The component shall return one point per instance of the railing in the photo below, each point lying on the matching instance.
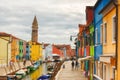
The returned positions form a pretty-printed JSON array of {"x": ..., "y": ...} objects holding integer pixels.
[
  {"x": 95, "y": 77},
  {"x": 56, "y": 69}
]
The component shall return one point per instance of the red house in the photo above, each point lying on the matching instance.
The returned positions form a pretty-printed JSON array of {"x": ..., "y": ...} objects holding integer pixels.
[
  {"x": 89, "y": 19},
  {"x": 69, "y": 51},
  {"x": 55, "y": 50}
]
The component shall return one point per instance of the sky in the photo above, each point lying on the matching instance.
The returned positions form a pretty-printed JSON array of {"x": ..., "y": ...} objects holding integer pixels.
[{"x": 57, "y": 19}]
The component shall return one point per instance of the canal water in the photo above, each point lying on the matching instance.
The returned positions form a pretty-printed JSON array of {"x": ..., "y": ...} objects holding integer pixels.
[{"x": 40, "y": 71}]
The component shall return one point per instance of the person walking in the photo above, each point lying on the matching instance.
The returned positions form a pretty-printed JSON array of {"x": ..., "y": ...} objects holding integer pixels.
[
  {"x": 72, "y": 64},
  {"x": 76, "y": 64},
  {"x": 63, "y": 66}
]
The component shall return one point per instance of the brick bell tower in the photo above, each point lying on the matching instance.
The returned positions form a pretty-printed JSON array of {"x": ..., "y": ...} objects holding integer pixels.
[{"x": 35, "y": 30}]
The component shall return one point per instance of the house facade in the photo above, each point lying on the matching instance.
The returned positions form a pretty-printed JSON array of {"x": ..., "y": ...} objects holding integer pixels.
[
  {"x": 35, "y": 52},
  {"x": 14, "y": 48},
  {"x": 98, "y": 51},
  {"x": 108, "y": 31},
  {"x": 5, "y": 48}
]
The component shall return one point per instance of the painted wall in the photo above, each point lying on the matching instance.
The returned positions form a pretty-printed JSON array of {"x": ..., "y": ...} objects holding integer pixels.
[
  {"x": 81, "y": 38},
  {"x": 34, "y": 51},
  {"x": 20, "y": 49},
  {"x": 14, "y": 48},
  {"x": 97, "y": 24},
  {"x": 41, "y": 51},
  {"x": 89, "y": 14},
  {"x": 109, "y": 47},
  {"x": 57, "y": 51},
  {"x": 3, "y": 51},
  {"x": 91, "y": 40},
  {"x": 24, "y": 48},
  {"x": 27, "y": 56},
  {"x": 87, "y": 50}
]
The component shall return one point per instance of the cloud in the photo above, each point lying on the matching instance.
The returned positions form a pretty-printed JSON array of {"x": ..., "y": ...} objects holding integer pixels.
[{"x": 57, "y": 19}]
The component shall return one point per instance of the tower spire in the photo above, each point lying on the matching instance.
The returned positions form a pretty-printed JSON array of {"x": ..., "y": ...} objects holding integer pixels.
[
  {"x": 34, "y": 30},
  {"x": 35, "y": 21}
]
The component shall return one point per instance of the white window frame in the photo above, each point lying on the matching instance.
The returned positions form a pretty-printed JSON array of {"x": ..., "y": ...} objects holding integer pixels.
[
  {"x": 113, "y": 29},
  {"x": 105, "y": 33},
  {"x": 101, "y": 33},
  {"x": 96, "y": 36}
]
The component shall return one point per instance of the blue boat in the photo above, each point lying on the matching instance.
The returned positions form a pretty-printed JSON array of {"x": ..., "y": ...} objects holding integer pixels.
[{"x": 44, "y": 77}]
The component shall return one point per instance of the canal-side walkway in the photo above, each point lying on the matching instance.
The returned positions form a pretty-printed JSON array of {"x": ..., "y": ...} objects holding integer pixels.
[{"x": 68, "y": 74}]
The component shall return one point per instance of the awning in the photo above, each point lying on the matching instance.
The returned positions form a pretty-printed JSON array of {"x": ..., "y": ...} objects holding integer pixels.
[
  {"x": 55, "y": 54},
  {"x": 107, "y": 57},
  {"x": 86, "y": 58}
]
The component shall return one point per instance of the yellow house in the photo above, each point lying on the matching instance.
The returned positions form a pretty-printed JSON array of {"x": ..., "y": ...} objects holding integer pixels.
[
  {"x": 5, "y": 48},
  {"x": 108, "y": 29},
  {"x": 35, "y": 51}
]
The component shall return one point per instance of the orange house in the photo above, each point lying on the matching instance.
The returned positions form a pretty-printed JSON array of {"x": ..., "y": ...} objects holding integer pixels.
[
  {"x": 66, "y": 49},
  {"x": 55, "y": 50},
  {"x": 80, "y": 37},
  {"x": 14, "y": 48}
]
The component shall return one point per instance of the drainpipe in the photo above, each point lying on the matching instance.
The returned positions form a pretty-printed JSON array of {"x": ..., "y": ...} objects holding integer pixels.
[
  {"x": 115, "y": 2},
  {"x": 116, "y": 6}
]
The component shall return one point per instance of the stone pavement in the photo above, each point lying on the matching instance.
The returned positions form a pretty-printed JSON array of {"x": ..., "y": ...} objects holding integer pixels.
[{"x": 69, "y": 74}]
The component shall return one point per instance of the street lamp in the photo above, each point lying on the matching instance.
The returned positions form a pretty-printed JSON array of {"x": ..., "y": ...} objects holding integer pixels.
[{"x": 76, "y": 43}]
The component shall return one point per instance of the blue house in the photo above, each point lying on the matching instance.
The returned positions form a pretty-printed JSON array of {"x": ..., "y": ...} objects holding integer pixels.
[
  {"x": 27, "y": 56},
  {"x": 98, "y": 36}
]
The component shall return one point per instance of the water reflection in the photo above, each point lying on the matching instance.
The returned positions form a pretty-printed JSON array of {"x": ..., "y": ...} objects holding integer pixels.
[{"x": 40, "y": 71}]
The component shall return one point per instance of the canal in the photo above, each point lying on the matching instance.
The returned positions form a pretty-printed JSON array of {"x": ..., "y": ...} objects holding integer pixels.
[{"x": 42, "y": 69}]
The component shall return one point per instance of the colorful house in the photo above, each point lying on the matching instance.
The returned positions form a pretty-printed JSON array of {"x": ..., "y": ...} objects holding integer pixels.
[
  {"x": 14, "y": 48},
  {"x": 5, "y": 48},
  {"x": 80, "y": 37},
  {"x": 98, "y": 37},
  {"x": 66, "y": 50},
  {"x": 27, "y": 55},
  {"x": 24, "y": 48},
  {"x": 108, "y": 40},
  {"x": 56, "y": 50},
  {"x": 20, "y": 49},
  {"x": 89, "y": 31},
  {"x": 35, "y": 51},
  {"x": 86, "y": 42}
]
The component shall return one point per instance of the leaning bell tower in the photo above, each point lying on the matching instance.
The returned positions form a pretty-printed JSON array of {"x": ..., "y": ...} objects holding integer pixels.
[{"x": 34, "y": 30}]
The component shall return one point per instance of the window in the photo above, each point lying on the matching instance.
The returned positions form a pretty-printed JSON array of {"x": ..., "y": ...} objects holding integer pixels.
[
  {"x": 96, "y": 36},
  {"x": 88, "y": 39},
  {"x": 101, "y": 34},
  {"x": 27, "y": 46},
  {"x": 91, "y": 39},
  {"x": 114, "y": 30},
  {"x": 26, "y": 51},
  {"x": 20, "y": 51},
  {"x": 105, "y": 33}
]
